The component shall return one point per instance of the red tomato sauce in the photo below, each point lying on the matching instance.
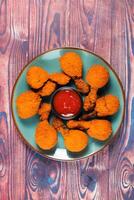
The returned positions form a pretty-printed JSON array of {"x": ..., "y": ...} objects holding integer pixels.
[{"x": 67, "y": 103}]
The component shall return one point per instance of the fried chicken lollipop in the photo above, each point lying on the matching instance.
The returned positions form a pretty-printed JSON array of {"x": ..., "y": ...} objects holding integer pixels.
[
  {"x": 44, "y": 111},
  {"x": 45, "y": 135},
  {"x": 47, "y": 89},
  {"x": 74, "y": 140},
  {"x": 28, "y": 104},
  {"x": 36, "y": 77},
  {"x": 97, "y": 77},
  {"x": 105, "y": 106},
  {"x": 100, "y": 129},
  {"x": 97, "y": 129},
  {"x": 71, "y": 64},
  {"x": 60, "y": 78}
]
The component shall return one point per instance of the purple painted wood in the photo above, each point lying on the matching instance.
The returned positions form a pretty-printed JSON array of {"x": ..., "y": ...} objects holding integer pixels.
[{"x": 28, "y": 28}]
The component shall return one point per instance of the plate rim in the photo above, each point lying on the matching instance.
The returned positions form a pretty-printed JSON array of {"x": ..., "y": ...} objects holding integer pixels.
[{"x": 73, "y": 159}]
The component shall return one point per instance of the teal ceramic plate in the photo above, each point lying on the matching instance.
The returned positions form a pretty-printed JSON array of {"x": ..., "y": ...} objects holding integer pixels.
[{"x": 50, "y": 61}]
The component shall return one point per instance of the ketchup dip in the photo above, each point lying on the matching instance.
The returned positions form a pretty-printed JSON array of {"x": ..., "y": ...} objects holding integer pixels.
[{"x": 66, "y": 103}]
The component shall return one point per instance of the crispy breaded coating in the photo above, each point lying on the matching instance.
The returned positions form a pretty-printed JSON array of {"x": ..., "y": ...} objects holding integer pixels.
[
  {"x": 97, "y": 76},
  {"x": 28, "y": 104},
  {"x": 71, "y": 64},
  {"x": 60, "y": 78},
  {"x": 107, "y": 105},
  {"x": 45, "y": 136},
  {"x": 48, "y": 89},
  {"x": 44, "y": 111},
  {"x": 97, "y": 129},
  {"x": 100, "y": 129},
  {"x": 74, "y": 140},
  {"x": 36, "y": 77},
  {"x": 78, "y": 124},
  {"x": 90, "y": 99},
  {"x": 57, "y": 123},
  {"x": 81, "y": 85},
  {"x": 60, "y": 126}
]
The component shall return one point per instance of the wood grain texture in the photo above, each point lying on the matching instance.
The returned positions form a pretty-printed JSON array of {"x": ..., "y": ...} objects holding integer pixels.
[{"x": 28, "y": 28}]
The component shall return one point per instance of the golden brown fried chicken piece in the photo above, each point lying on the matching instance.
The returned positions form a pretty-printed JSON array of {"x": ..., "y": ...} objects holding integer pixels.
[
  {"x": 97, "y": 129},
  {"x": 78, "y": 124},
  {"x": 60, "y": 78},
  {"x": 48, "y": 89},
  {"x": 28, "y": 104},
  {"x": 45, "y": 136},
  {"x": 97, "y": 77},
  {"x": 36, "y": 77},
  {"x": 74, "y": 140},
  {"x": 81, "y": 85},
  {"x": 71, "y": 64},
  {"x": 100, "y": 129},
  {"x": 105, "y": 106},
  {"x": 44, "y": 111}
]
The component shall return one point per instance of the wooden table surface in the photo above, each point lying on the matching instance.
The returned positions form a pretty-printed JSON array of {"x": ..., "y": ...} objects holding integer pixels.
[{"x": 28, "y": 28}]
